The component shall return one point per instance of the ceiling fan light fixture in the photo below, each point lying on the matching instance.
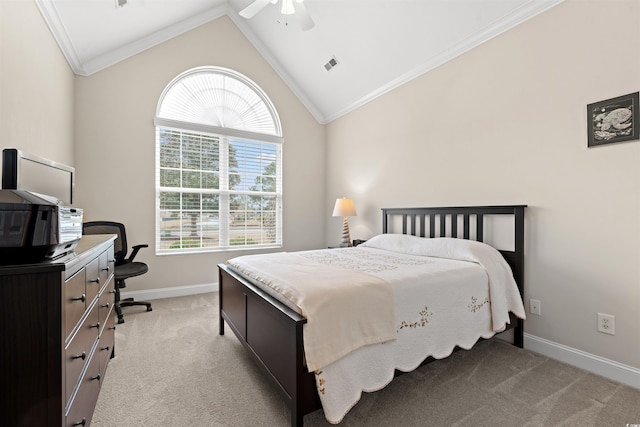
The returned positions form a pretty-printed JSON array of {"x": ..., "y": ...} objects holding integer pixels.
[{"x": 287, "y": 7}]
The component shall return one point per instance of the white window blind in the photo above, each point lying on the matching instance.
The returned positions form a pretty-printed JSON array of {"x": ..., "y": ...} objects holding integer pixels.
[{"x": 217, "y": 188}]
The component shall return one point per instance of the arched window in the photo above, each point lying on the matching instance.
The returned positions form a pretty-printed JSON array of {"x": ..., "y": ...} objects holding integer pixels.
[{"x": 218, "y": 164}]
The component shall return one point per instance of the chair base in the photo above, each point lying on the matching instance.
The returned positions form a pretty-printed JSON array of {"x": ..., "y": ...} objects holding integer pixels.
[{"x": 126, "y": 302}]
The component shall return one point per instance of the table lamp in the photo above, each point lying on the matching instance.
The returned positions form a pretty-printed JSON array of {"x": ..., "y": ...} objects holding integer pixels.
[{"x": 345, "y": 208}]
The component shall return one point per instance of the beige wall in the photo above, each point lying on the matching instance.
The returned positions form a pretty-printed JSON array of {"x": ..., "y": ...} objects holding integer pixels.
[
  {"x": 36, "y": 85},
  {"x": 115, "y": 147},
  {"x": 506, "y": 124}
]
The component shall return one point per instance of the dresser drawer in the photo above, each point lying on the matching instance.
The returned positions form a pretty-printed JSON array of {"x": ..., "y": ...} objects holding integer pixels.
[
  {"x": 75, "y": 298},
  {"x": 106, "y": 301},
  {"x": 93, "y": 281},
  {"x": 106, "y": 343},
  {"x": 78, "y": 350},
  {"x": 84, "y": 401},
  {"x": 106, "y": 264}
]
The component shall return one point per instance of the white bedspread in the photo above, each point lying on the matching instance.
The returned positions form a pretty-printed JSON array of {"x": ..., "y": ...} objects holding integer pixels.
[
  {"x": 440, "y": 304},
  {"x": 345, "y": 309},
  {"x": 446, "y": 293}
]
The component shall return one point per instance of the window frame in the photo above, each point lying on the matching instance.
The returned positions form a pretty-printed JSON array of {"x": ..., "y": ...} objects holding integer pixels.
[{"x": 225, "y": 136}]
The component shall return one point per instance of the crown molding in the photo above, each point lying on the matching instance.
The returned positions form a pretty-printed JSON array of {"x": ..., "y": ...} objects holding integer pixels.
[
  {"x": 100, "y": 62},
  {"x": 511, "y": 20},
  {"x": 110, "y": 58},
  {"x": 52, "y": 19}
]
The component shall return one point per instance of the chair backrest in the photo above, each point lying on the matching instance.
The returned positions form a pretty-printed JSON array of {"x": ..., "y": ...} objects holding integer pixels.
[{"x": 109, "y": 227}]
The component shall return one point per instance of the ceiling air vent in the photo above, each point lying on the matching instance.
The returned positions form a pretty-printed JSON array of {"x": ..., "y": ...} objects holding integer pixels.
[{"x": 332, "y": 63}]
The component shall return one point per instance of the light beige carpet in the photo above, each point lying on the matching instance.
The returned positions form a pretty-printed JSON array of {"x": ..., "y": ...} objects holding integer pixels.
[{"x": 173, "y": 369}]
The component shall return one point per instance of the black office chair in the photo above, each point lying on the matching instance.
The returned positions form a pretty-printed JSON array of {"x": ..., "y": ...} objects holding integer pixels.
[{"x": 124, "y": 267}]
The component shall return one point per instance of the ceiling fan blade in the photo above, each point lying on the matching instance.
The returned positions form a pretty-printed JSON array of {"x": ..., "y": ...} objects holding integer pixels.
[
  {"x": 302, "y": 15},
  {"x": 255, "y": 7}
]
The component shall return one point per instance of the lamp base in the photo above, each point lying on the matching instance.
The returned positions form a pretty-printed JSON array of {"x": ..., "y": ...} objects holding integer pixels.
[{"x": 346, "y": 238}]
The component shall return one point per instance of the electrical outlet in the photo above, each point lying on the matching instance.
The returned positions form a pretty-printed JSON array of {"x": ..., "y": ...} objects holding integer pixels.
[
  {"x": 606, "y": 323},
  {"x": 535, "y": 307}
]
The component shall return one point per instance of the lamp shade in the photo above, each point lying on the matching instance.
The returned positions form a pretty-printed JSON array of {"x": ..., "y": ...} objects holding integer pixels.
[{"x": 344, "y": 207}]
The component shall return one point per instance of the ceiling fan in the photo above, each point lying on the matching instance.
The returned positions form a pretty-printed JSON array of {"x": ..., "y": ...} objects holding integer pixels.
[{"x": 289, "y": 7}]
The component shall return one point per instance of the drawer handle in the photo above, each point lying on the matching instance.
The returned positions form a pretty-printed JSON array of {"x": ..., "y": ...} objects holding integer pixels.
[
  {"x": 105, "y": 305},
  {"x": 80, "y": 356},
  {"x": 97, "y": 377},
  {"x": 97, "y": 280},
  {"x": 105, "y": 348},
  {"x": 112, "y": 291},
  {"x": 83, "y": 298},
  {"x": 97, "y": 325},
  {"x": 80, "y": 423},
  {"x": 105, "y": 269},
  {"x": 113, "y": 328}
]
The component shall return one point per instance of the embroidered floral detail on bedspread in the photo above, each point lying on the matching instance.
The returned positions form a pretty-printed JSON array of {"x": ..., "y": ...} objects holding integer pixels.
[
  {"x": 320, "y": 382},
  {"x": 474, "y": 306},
  {"x": 425, "y": 315}
]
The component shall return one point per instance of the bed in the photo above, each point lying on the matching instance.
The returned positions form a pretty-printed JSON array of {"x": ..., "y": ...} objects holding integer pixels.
[{"x": 272, "y": 330}]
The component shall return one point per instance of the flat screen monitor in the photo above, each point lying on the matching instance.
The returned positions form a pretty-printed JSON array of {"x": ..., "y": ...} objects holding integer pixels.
[{"x": 24, "y": 171}]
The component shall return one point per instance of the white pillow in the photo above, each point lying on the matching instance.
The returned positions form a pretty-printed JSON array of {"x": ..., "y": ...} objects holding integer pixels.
[{"x": 442, "y": 247}]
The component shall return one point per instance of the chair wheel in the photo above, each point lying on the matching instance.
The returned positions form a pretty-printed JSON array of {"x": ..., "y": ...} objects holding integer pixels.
[{"x": 149, "y": 309}]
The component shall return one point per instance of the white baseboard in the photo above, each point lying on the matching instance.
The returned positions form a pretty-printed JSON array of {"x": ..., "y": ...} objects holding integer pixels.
[
  {"x": 589, "y": 362},
  {"x": 177, "y": 291}
]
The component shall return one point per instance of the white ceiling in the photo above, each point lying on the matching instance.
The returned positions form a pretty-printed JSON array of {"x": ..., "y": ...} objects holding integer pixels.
[{"x": 379, "y": 44}]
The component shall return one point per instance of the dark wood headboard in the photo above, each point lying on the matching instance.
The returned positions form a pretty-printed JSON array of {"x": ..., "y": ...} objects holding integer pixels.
[{"x": 445, "y": 222}]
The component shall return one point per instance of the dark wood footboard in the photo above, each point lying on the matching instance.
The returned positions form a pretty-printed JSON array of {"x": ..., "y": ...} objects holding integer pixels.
[{"x": 272, "y": 333}]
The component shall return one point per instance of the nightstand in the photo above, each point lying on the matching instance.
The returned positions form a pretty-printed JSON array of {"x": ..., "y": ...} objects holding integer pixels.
[{"x": 355, "y": 243}]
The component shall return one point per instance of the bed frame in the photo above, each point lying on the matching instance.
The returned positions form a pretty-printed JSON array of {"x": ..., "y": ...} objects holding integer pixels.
[{"x": 272, "y": 332}]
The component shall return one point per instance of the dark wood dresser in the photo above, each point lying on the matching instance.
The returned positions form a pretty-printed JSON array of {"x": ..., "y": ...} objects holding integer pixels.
[{"x": 56, "y": 335}]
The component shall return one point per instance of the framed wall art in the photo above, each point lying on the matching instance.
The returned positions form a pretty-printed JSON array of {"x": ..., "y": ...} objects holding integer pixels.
[{"x": 613, "y": 120}]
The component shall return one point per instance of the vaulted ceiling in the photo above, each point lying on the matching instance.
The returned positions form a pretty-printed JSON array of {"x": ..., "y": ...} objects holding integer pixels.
[{"x": 376, "y": 44}]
